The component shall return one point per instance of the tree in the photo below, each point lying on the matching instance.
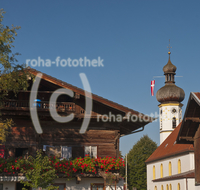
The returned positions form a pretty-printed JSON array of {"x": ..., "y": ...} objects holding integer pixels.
[
  {"x": 136, "y": 162},
  {"x": 12, "y": 75},
  {"x": 40, "y": 173}
]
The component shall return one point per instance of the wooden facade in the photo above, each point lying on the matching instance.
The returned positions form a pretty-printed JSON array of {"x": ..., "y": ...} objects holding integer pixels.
[{"x": 104, "y": 136}]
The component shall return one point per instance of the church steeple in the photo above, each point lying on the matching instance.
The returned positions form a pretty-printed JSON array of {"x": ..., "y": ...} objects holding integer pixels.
[
  {"x": 169, "y": 71},
  {"x": 170, "y": 97},
  {"x": 170, "y": 92}
]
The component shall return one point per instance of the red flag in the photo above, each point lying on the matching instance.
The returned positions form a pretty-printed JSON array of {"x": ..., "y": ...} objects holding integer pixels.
[{"x": 152, "y": 87}]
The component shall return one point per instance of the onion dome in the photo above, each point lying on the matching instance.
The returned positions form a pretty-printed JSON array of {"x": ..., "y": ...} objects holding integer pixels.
[
  {"x": 169, "y": 67},
  {"x": 170, "y": 92}
]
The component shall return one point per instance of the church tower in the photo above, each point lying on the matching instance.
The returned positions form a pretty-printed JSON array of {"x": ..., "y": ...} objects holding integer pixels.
[{"x": 170, "y": 97}]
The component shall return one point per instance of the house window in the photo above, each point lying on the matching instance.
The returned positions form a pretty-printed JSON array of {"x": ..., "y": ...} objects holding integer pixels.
[
  {"x": 20, "y": 186},
  {"x": 162, "y": 187},
  {"x": 66, "y": 152},
  {"x": 155, "y": 188},
  {"x": 179, "y": 166},
  {"x": 167, "y": 187},
  {"x": 173, "y": 122},
  {"x": 170, "y": 168},
  {"x": 91, "y": 150},
  {"x": 97, "y": 186},
  {"x": 77, "y": 151},
  {"x": 161, "y": 170},
  {"x": 170, "y": 187},
  {"x": 21, "y": 152},
  {"x": 52, "y": 150},
  {"x": 62, "y": 186},
  {"x": 154, "y": 172}
]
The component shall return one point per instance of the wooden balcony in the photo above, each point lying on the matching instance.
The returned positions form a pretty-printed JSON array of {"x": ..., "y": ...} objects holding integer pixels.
[{"x": 41, "y": 105}]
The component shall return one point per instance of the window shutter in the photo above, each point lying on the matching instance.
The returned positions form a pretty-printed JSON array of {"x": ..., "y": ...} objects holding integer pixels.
[
  {"x": 87, "y": 150},
  {"x": 94, "y": 151}
]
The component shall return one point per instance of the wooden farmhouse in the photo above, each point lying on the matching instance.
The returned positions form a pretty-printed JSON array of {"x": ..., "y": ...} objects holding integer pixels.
[{"x": 108, "y": 122}]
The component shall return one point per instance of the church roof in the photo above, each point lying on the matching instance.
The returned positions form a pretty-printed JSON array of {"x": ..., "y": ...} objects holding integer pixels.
[
  {"x": 169, "y": 147},
  {"x": 170, "y": 92}
]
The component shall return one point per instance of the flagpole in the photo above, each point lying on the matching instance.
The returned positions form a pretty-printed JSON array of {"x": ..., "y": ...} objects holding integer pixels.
[{"x": 126, "y": 172}]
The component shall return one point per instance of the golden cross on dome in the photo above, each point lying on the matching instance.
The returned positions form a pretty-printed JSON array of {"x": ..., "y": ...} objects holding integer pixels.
[{"x": 169, "y": 47}]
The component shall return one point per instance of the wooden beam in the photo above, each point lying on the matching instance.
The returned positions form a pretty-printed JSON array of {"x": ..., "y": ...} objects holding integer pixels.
[
  {"x": 193, "y": 119},
  {"x": 187, "y": 138}
]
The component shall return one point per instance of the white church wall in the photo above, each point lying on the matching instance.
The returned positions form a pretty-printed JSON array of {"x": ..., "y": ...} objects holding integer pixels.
[
  {"x": 197, "y": 187},
  {"x": 192, "y": 163},
  {"x": 173, "y": 183},
  {"x": 191, "y": 184},
  {"x": 187, "y": 158}
]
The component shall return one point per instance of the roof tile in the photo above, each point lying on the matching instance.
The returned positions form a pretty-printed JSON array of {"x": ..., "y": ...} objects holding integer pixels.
[
  {"x": 171, "y": 149},
  {"x": 197, "y": 94}
]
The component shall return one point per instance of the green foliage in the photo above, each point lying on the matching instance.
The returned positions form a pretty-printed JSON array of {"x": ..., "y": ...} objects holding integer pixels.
[
  {"x": 12, "y": 75},
  {"x": 136, "y": 162},
  {"x": 5, "y": 129},
  {"x": 40, "y": 172}
]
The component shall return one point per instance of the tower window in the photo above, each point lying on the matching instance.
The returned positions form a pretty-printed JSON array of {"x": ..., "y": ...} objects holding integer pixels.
[
  {"x": 169, "y": 77},
  {"x": 161, "y": 125},
  {"x": 174, "y": 122}
]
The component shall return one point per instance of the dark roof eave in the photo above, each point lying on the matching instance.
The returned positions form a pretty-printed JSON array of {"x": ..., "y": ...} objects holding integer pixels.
[
  {"x": 189, "y": 174},
  {"x": 81, "y": 91}
]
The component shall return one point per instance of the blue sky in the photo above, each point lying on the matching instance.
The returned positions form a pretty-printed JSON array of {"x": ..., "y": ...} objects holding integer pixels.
[{"x": 130, "y": 36}]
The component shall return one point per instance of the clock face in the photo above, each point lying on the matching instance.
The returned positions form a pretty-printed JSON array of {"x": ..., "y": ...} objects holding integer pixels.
[{"x": 174, "y": 110}]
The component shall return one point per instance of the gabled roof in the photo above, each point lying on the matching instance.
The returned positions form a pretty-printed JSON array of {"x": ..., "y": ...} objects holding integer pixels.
[
  {"x": 169, "y": 147},
  {"x": 188, "y": 174},
  {"x": 81, "y": 91},
  {"x": 191, "y": 120},
  {"x": 126, "y": 127}
]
